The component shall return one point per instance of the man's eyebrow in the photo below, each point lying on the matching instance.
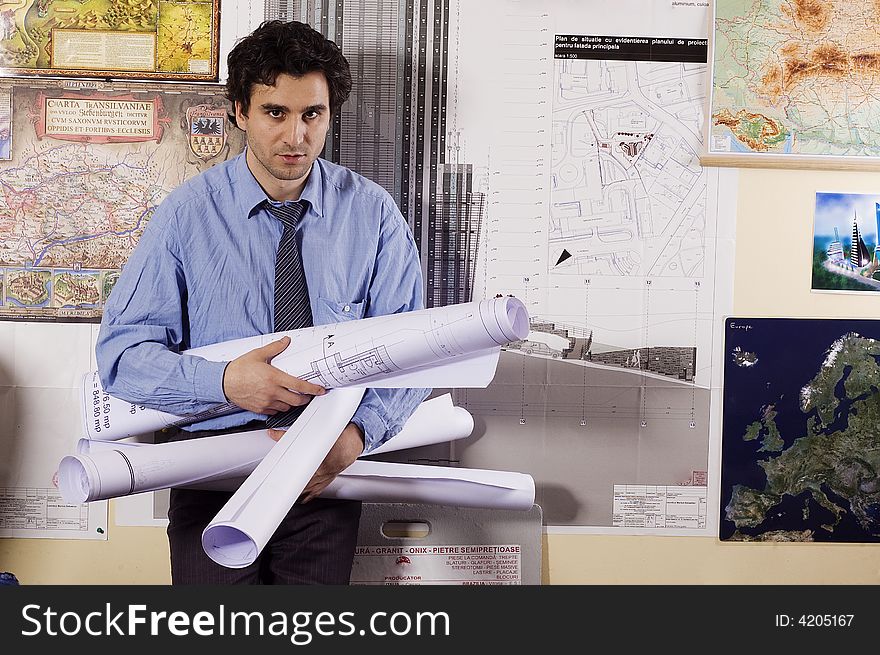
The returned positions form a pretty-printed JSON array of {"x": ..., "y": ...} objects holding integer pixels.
[{"x": 271, "y": 106}]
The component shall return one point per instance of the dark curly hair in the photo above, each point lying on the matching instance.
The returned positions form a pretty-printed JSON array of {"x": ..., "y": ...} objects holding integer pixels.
[{"x": 277, "y": 47}]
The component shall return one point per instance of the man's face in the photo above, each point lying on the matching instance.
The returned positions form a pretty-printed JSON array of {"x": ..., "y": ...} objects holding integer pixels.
[{"x": 286, "y": 127}]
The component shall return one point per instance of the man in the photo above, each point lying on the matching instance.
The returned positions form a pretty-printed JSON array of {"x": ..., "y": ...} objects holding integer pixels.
[{"x": 205, "y": 271}]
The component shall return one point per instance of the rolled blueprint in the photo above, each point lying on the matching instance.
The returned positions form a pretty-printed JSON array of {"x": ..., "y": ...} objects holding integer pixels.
[
  {"x": 447, "y": 347},
  {"x": 108, "y": 469},
  {"x": 113, "y": 470},
  {"x": 390, "y": 482},
  {"x": 91, "y": 446},
  {"x": 435, "y": 420},
  {"x": 242, "y": 528}
]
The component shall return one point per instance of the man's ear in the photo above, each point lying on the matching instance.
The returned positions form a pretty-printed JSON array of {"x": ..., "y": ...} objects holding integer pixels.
[{"x": 240, "y": 117}]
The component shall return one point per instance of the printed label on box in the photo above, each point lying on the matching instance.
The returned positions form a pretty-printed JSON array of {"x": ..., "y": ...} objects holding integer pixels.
[{"x": 435, "y": 564}]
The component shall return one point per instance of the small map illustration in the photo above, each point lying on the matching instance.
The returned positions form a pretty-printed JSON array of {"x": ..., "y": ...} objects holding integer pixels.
[
  {"x": 127, "y": 38},
  {"x": 184, "y": 31}
]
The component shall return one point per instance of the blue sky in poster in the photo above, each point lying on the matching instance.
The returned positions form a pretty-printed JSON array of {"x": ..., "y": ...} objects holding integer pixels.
[{"x": 836, "y": 210}]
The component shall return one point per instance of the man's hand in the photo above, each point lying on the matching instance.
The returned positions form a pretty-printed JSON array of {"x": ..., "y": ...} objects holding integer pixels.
[
  {"x": 252, "y": 383},
  {"x": 348, "y": 447}
]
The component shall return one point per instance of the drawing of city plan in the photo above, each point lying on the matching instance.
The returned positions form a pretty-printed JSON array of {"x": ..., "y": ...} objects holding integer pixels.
[
  {"x": 572, "y": 183},
  {"x": 88, "y": 169},
  {"x": 585, "y": 137},
  {"x": 627, "y": 191}
]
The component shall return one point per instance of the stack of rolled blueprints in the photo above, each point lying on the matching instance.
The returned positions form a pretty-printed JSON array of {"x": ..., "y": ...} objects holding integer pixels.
[{"x": 454, "y": 346}]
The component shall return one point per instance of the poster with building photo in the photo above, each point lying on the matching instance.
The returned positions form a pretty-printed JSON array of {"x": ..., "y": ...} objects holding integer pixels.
[{"x": 846, "y": 237}]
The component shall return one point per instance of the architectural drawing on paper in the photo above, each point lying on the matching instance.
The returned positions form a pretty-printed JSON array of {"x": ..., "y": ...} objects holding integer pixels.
[
  {"x": 460, "y": 345},
  {"x": 572, "y": 182},
  {"x": 598, "y": 219},
  {"x": 360, "y": 365},
  {"x": 568, "y": 342},
  {"x": 628, "y": 194}
]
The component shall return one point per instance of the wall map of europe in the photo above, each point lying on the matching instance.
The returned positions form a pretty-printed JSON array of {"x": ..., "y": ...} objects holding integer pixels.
[{"x": 801, "y": 446}]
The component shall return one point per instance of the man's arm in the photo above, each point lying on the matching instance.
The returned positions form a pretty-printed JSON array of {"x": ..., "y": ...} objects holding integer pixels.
[
  {"x": 348, "y": 447},
  {"x": 143, "y": 330},
  {"x": 396, "y": 287}
]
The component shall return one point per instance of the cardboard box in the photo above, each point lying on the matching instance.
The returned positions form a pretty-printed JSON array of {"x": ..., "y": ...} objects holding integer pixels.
[{"x": 431, "y": 544}]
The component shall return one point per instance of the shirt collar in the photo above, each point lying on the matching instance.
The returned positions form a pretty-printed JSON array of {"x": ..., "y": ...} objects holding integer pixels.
[
  {"x": 251, "y": 194},
  {"x": 313, "y": 191}
]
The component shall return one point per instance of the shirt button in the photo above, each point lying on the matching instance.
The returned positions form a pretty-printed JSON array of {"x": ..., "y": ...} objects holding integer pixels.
[{"x": 347, "y": 308}]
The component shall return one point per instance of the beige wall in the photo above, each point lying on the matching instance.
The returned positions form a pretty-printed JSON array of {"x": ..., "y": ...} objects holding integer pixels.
[
  {"x": 772, "y": 278},
  {"x": 129, "y": 556}
]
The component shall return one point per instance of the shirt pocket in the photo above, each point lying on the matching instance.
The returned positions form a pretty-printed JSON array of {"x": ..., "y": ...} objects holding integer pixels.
[{"x": 337, "y": 311}]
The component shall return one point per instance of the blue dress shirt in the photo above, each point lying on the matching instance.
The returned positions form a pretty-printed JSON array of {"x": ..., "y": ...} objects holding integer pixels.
[{"x": 204, "y": 272}]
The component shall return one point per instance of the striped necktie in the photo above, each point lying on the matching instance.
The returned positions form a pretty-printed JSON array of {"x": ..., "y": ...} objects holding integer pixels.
[{"x": 292, "y": 308}]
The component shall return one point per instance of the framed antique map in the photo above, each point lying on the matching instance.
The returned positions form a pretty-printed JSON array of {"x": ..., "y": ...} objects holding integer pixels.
[
  {"x": 86, "y": 170},
  {"x": 139, "y": 39},
  {"x": 794, "y": 83}
]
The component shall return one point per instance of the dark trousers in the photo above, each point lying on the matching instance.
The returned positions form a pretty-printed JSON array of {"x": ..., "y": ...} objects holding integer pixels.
[{"x": 314, "y": 544}]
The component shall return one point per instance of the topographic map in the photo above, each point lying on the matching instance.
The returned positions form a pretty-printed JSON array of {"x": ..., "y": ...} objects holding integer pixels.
[
  {"x": 127, "y": 38},
  {"x": 801, "y": 451},
  {"x": 628, "y": 196},
  {"x": 87, "y": 172},
  {"x": 796, "y": 77}
]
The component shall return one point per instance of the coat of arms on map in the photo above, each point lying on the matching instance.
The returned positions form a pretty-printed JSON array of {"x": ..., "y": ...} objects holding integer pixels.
[{"x": 207, "y": 130}]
